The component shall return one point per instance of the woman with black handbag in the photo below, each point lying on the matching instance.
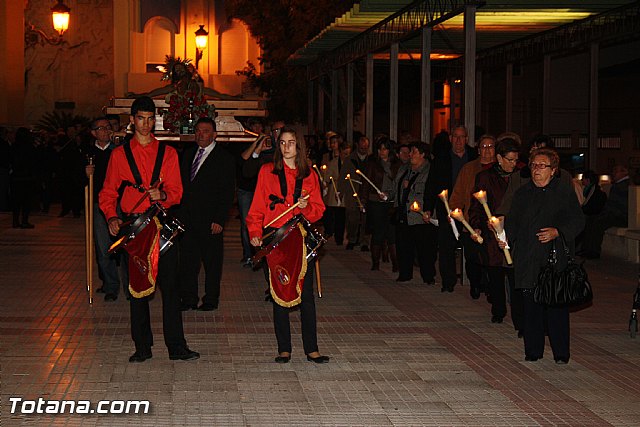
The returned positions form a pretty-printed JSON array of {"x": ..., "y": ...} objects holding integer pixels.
[{"x": 541, "y": 210}]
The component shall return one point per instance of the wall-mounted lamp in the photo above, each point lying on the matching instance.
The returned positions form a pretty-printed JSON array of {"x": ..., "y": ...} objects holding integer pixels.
[
  {"x": 60, "y": 17},
  {"x": 202, "y": 36}
]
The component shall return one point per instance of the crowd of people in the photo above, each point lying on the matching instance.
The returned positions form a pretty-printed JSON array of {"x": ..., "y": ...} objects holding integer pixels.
[{"x": 409, "y": 203}]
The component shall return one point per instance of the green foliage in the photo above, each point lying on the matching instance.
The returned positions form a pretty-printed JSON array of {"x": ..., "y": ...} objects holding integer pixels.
[
  {"x": 282, "y": 27},
  {"x": 55, "y": 120}
]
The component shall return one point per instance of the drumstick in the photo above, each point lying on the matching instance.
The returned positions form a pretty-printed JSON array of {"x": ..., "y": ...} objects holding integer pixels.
[
  {"x": 295, "y": 205},
  {"x": 318, "y": 281},
  {"x": 145, "y": 195}
]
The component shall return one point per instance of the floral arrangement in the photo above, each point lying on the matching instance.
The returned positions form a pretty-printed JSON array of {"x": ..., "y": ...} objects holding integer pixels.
[{"x": 187, "y": 95}]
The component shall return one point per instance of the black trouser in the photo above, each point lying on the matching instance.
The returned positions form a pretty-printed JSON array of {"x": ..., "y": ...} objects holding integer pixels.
[
  {"x": 447, "y": 245},
  {"x": 593, "y": 234},
  {"x": 379, "y": 222},
  {"x": 499, "y": 297},
  {"x": 420, "y": 239},
  {"x": 557, "y": 319},
  {"x": 307, "y": 318},
  {"x": 197, "y": 247},
  {"x": 167, "y": 282},
  {"x": 21, "y": 195},
  {"x": 472, "y": 265},
  {"x": 338, "y": 217}
]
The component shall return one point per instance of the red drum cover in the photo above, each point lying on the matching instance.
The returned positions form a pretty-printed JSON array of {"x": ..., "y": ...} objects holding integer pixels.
[
  {"x": 287, "y": 266},
  {"x": 144, "y": 253}
]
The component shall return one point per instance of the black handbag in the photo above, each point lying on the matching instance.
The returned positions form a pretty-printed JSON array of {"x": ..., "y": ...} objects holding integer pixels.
[{"x": 570, "y": 286}]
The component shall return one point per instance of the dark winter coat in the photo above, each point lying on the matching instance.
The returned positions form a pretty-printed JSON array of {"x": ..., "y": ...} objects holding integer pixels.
[{"x": 533, "y": 208}]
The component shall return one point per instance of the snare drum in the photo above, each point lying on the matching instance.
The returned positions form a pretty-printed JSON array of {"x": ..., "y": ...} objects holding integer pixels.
[
  {"x": 171, "y": 228},
  {"x": 313, "y": 241}
]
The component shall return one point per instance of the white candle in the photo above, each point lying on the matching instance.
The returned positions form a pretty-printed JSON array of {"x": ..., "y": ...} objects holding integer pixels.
[
  {"x": 482, "y": 198},
  {"x": 444, "y": 196},
  {"x": 384, "y": 196},
  {"x": 457, "y": 214},
  {"x": 499, "y": 229}
]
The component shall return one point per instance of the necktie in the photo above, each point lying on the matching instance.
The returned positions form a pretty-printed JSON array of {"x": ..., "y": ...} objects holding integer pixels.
[{"x": 196, "y": 163}]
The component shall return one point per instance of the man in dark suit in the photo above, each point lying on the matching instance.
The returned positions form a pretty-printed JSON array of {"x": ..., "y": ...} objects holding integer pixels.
[
  {"x": 444, "y": 173},
  {"x": 208, "y": 178}
]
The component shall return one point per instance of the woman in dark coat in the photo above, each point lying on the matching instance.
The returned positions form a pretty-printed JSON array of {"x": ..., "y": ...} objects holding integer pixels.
[
  {"x": 541, "y": 210},
  {"x": 382, "y": 168},
  {"x": 495, "y": 181}
]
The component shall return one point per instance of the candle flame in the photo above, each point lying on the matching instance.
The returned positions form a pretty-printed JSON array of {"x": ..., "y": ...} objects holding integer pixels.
[
  {"x": 355, "y": 194},
  {"x": 348, "y": 176},
  {"x": 415, "y": 206},
  {"x": 324, "y": 167}
]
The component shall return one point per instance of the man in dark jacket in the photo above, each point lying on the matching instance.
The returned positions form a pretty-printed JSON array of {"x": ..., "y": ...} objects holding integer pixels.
[
  {"x": 446, "y": 167},
  {"x": 614, "y": 214},
  {"x": 208, "y": 174}
]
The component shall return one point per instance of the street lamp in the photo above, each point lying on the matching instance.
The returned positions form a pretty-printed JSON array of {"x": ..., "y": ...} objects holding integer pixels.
[
  {"x": 60, "y": 17},
  {"x": 202, "y": 36}
]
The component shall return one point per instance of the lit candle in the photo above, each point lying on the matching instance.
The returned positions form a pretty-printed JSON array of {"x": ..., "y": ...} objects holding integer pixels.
[
  {"x": 355, "y": 193},
  {"x": 319, "y": 174},
  {"x": 502, "y": 236},
  {"x": 444, "y": 196},
  {"x": 415, "y": 207},
  {"x": 482, "y": 198},
  {"x": 335, "y": 190},
  {"x": 382, "y": 195},
  {"x": 457, "y": 215}
]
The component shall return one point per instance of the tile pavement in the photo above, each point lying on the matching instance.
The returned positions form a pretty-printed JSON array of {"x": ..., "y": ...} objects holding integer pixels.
[{"x": 401, "y": 354}]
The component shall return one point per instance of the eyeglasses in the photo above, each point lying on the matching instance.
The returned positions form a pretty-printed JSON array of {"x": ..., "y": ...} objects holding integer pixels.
[
  {"x": 542, "y": 166},
  {"x": 486, "y": 146},
  {"x": 515, "y": 159},
  {"x": 102, "y": 128}
]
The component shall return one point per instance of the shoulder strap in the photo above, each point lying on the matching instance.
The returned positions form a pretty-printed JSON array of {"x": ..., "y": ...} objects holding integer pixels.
[
  {"x": 156, "y": 168},
  {"x": 132, "y": 165}
]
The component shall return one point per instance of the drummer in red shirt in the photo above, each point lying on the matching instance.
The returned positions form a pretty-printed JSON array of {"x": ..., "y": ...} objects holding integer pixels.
[
  {"x": 167, "y": 189},
  {"x": 290, "y": 161}
]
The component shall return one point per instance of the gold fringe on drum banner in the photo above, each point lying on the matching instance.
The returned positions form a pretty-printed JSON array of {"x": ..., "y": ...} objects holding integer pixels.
[
  {"x": 144, "y": 254},
  {"x": 287, "y": 267}
]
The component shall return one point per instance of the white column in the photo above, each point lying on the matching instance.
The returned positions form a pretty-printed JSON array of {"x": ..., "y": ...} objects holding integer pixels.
[
  {"x": 593, "y": 107},
  {"x": 425, "y": 86},
  {"x": 546, "y": 94},
  {"x": 470, "y": 69},
  {"x": 393, "y": 91},
  {"x": 508, "y": 122},
  {"x": 369, "y": 97},
  {"x": 350, "y": 99}
]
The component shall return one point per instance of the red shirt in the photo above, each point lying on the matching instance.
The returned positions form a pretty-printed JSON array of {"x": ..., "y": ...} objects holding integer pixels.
[
  {"x": 145, "y": 158},
  {"x": 268, "y": 183}
]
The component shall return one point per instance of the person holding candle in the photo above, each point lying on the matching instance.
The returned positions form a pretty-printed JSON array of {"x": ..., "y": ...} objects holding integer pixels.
[
  {"x": 332, "y": 151},
  {"x": 494, "y": 182},
  {"x": 281, "y": 184},
  {"x": 446, "y": 166},
  {"x": 414, "y": 232},
  {"x": 382, "y": 168},
  {"x": 334, "y": 199},
  {"x": 461, "y": 198},
  {"x": 354, "y": 205},
  {"x": 541, "y": 210}
]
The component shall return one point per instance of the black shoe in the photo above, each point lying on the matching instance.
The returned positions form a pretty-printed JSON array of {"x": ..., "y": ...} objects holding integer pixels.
[
  {"x": 446, "y": 289},
  {"x": 429, "y": 282},
  {"x": 364, "y": 248},
  {"x": 520, "y": 334},
  {"x": 282, "y": 359},
  {"x": 110, "y": 297},
  {"x": 100, "y": 290},
  {"x": 248, "y": 263},
  {"x": 475, "y": 293},
  {"x": 319, "y": 359},
  {"x": 184, "y": 353},
  {"x": 16, "y": 225},
  {"x": 496, "y": 319},
  {"x": 26, "y": 225},
  {"x": 561, "y": 360},
  {"x": 140, "y": 356},
  {"x": 207, "y": 307},
  {"x": 350, "y": 246},
  {"x": 187, "y": 307},
  {"x": 532, "y": 358},
  {"x": 404, "y": 279},
  {"x": 375, "y": 267}
]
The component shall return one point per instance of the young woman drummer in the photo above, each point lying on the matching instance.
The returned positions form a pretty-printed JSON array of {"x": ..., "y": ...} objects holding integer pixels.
[{"x": 289, "y": 161}]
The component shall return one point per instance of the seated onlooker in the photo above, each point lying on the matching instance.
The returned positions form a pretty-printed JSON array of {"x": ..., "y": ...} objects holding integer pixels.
[{"x": 614, "y": 214}]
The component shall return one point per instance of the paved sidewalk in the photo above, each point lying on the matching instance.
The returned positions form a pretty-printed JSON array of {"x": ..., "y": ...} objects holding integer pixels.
[{"x": 401, "y": 354}]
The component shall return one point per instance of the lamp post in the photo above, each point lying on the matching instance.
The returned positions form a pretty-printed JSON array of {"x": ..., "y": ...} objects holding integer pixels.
[
  {"x": 60, "y": 18},
  {"x": 202, "y": 36}
]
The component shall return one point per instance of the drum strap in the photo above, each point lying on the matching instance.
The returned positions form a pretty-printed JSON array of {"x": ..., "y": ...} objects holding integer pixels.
[
  {"x": 283, "y": 189},
  {"x": 136, "y": 172}
]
